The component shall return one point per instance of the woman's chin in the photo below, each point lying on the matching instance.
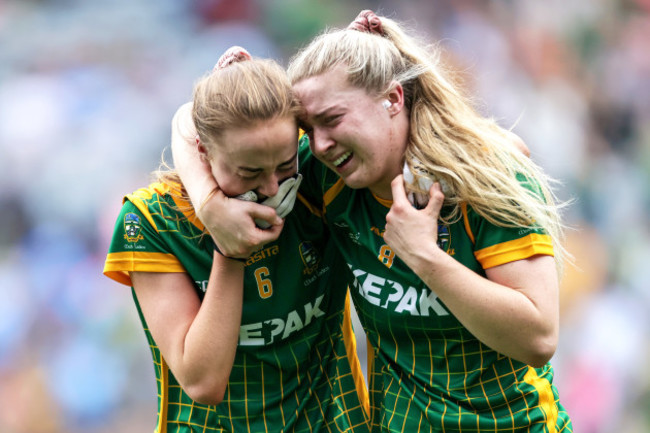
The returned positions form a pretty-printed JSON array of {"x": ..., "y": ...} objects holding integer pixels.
[{"x": 354, "y": 182}]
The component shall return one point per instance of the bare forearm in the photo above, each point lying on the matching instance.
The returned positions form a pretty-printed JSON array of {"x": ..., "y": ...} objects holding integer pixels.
[
  {"x": 514, "y": 310},
  {"x": 229, "y": 221},
  {"x": 211, "y": 341},
  {"x": 504, "y": 318},
  {"x": 194, "y": 173}
]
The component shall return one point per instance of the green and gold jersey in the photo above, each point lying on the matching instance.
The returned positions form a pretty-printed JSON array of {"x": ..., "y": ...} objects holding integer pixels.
[
  {"x": 295, "y": 369},
  {"x": 429, "y": 373}
]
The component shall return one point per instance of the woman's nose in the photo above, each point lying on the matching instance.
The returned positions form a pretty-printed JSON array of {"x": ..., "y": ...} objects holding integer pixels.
[
  {"x": 320, "y": 142},
  {"x": 270, "y": 186}
]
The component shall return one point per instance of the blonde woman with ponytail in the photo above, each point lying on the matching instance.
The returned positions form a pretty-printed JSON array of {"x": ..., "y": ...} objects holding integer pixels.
[
  {"x": 452, "y": 233},
  {"x": 256, "y": 343},
  {"x": 459, "y": 298}
]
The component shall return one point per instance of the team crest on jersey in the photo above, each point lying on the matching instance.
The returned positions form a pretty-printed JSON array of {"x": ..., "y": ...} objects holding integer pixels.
[
  {"x": 132, "y": 228},
  {"x": 444, "y": 237},
  {"x": 309, "y": 256}
]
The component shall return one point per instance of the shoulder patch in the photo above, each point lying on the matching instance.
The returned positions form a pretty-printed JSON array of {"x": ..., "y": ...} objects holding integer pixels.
[
  {"x": 444, "y": 237},
  {"x": 132, "y": 227}
]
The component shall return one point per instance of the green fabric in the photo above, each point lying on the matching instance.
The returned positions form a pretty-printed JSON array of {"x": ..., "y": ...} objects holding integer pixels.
[
  {"x": 430, "y": 373},
  {"x": 291, "y": 370}
]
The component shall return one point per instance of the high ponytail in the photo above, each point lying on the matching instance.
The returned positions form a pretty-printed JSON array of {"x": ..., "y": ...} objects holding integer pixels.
[{"x": 448, "y": 138}]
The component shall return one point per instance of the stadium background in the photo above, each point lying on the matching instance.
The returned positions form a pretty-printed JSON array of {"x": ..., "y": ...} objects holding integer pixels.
[{"x": 87, "y": 91}]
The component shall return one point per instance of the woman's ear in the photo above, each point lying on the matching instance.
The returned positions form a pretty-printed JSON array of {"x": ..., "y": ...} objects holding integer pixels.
[
  {"x": 395, "y": 97},
  {"x": 203, "y": 152}
]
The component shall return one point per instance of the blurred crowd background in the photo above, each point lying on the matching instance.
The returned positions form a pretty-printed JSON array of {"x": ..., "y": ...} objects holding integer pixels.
[{"x": 87, "y": 92}]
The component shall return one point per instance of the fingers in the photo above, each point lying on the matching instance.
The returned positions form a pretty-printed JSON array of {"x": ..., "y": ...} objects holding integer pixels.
[
  {"x": 436, "y": 198},
  {"x": 264, "y": 213},
  {"x": 399, "y": 193},
  {"x": 257, "y": 238},
  {"x": 247, "y": 238},
  {"x": 270, "y": 234},
  {"x": 400, "y": 199}
]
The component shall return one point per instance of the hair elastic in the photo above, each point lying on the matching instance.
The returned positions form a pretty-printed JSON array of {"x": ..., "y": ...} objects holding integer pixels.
[
  {"x": 367, "y": 21},
  {"x": 232, "y": 55}
]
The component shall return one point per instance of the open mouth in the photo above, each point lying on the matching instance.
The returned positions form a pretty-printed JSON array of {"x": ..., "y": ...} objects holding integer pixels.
[{"x": 340, "y": 161}]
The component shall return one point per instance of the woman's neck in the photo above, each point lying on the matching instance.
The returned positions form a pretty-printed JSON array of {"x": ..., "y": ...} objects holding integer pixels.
[{"x": 382, "y": 191}]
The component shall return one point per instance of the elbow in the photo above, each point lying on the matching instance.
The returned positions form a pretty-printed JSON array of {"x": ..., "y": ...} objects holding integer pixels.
[
  {"x": 540, "y": 359},
  {"x": 541, "y": 351},
  {"x": 520, "y": 144},
  {"x": 206, "y": 393}
]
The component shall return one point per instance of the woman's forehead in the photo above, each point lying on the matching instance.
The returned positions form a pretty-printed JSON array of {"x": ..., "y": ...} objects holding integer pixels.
[
  {"x": 320, "y": 92},
  {"x": 262, "y": 144}
]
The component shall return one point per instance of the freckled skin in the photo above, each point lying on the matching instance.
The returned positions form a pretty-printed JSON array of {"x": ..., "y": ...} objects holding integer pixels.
[{"x": 341, "y": 118}]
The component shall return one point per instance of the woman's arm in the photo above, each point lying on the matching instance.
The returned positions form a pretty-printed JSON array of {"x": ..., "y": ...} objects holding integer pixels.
[
  {"x": 519, "y": 143},
  {"x": 197, "y": 339},
  {"x": 231, "y": 222},
  {"x": 515, "y": 310},
  {"x": 194, "y": 171}
]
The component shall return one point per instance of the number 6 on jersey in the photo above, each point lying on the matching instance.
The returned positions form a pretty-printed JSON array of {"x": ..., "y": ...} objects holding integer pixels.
[{"x": 264, "y": 284}]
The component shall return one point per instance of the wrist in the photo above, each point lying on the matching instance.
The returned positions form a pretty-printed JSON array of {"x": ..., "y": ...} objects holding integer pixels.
[
  {"x": 217, "y": 252},
  {"x": 424, "y": 259},
  {"x": 207, "y": 197}
]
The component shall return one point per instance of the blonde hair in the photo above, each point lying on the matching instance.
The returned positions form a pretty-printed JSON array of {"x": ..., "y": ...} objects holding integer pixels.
[
  {"x": 239, "y": 95},
  {"x": 448, "y": 137}
]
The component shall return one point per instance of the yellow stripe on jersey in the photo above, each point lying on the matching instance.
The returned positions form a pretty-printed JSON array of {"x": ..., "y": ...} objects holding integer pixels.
[
  {"x": 351, "y": 349},
  {"x": 546, "y": 398},
  {"x": 313, "y": 209},
  {"x": 331, "y": 193},
  {"x": 143, "y": 195},
  {"x": 118, "y": 265},
  {"x": 148, "y": 192},
  {"x": 139, "y": 197},
  {"x": 516, "y": 249},
  {"x": 188, "y": 211},
  {"x": 468, "y": 228},
  {"x": 370, "y": 358},
  {"x": 164, "y": 397},
  {"x": 383, "y": 201}
]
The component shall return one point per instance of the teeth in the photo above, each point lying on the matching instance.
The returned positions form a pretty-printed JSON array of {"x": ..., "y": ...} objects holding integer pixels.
[{"x": 343, "y": 157}]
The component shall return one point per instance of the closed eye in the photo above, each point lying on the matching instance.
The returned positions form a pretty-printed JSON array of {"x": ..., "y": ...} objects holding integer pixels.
[
  {"x": 330, "y": 120},
  {"x": 250, "y": 175},
  {"x": 287, "y": 166}
]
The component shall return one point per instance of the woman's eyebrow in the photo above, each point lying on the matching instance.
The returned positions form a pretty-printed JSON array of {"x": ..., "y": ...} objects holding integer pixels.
[
  {"x": 317, "y": 117},
  {"x": 258, "y": 169},
  {"x": 251, "y": 169},
  {"x": 290, "y": 160}
]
